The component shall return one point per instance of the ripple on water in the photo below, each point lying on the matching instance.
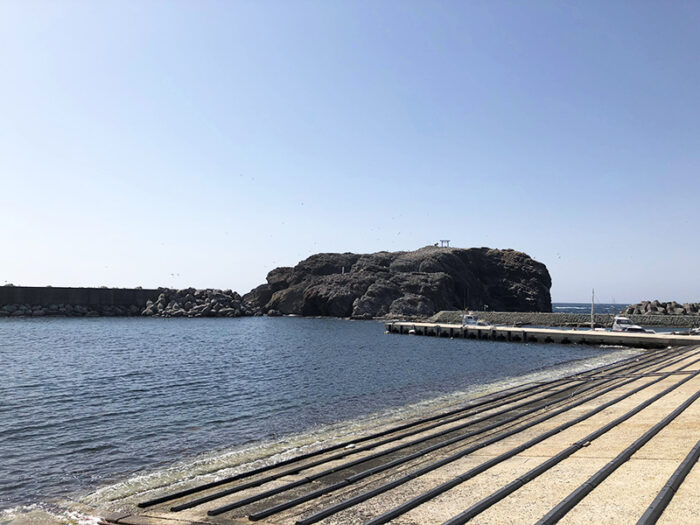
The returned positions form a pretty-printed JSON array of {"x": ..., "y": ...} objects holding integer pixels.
[{"x": 137, "y": 404}]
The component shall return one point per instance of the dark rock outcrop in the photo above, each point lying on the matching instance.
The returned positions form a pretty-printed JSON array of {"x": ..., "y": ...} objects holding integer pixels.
[{"x": 417, "y": 283}]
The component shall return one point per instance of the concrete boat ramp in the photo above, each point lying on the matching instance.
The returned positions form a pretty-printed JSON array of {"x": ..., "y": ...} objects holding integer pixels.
[
  {"x": 543, "y": 335},
  {"x": 617, "y": 444}
]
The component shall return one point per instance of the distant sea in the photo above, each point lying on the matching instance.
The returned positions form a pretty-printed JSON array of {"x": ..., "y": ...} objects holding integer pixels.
[
  {"x": 585, "y": 308},
  {"x": 95, "y": 411}
]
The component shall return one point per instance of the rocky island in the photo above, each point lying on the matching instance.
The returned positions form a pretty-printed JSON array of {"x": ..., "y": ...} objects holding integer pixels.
[{"x": 415, "y": 283}]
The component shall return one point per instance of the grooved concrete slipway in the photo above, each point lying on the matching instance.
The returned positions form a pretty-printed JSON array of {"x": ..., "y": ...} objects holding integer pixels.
[{"x": 617, "y": 444}]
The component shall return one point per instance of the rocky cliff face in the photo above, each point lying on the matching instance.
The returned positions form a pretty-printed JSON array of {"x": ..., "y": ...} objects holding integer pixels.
[{"x": 417, "y": 283}]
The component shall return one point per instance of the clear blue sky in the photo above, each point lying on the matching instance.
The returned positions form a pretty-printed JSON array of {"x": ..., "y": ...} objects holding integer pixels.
[{"x": 205, "y": 143}]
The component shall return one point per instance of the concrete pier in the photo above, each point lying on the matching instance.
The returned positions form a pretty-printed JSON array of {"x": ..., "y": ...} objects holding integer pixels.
[{"x": 542, "y": 335}]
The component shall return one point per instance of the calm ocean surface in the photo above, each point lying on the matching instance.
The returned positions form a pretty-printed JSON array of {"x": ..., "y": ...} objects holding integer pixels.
[{"x": 88, "y": 402}]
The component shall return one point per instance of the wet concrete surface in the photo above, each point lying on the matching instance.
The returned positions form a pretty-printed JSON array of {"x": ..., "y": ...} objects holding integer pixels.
[{"x": 620, "y": 498}]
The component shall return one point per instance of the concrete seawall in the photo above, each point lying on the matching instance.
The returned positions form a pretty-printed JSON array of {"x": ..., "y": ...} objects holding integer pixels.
[
  {"x": 29, "y": 301},
  {"x": 45, "y": 296},
  {"x": 562, "y": 319}
]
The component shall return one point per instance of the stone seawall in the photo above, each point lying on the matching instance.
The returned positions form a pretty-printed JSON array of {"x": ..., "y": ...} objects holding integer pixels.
[{"x": 562, "y": 319}]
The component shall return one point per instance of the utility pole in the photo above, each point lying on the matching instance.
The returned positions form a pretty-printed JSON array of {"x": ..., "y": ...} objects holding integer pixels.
[{"x": 592, "y": 309}]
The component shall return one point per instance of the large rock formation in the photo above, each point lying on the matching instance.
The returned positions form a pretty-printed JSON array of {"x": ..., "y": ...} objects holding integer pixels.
[{"x": 417, "y": 283}]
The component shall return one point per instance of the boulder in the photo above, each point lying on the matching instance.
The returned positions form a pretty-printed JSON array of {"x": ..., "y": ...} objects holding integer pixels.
[
  {"x": 287, "y": 301},
  {"x": 228, "y": 312},
  {"x": 678, "y": 310},
  {"x": 259, "y": 296},
  {"x": 376, "y": 300},
  {"x": 657, "y": 307},
  {"x": 413, "y": 305},
  {"x": 188, "y": 302}
]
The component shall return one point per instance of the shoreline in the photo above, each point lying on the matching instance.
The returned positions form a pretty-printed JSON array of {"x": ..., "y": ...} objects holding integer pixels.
[
  {"x": 641, "y": 381},
  {"x": 122, "y": 494}
]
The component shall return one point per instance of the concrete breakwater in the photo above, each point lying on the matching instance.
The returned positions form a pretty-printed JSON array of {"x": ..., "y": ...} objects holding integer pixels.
[
  {"x": 662, "y": 308},
  {"x": 567, "y": 319},
  {"x": 190, "y": 302},
  {"x": 30, "y": 301},
  {"x": 39, "y": 301}
]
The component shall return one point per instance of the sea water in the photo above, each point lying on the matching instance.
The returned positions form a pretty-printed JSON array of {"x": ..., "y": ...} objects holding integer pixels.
[
  {"x": 585, "y": 308},
  {"x": 97, "y": 412}
]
